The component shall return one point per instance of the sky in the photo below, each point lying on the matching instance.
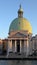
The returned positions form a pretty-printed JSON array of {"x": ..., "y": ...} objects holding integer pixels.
[{"x": 8, "y": 12}]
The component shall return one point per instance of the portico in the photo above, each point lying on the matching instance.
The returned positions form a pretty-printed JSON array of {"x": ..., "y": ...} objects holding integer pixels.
[{"x": 18, "y": 45}]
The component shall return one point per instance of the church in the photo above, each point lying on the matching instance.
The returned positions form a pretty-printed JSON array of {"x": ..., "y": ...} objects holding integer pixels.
[
  {"x": 20, "y": 34},
  {"x": 20, "y": 39}
]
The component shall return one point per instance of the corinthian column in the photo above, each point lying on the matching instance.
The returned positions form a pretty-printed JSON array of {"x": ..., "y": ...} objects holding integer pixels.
[
  {"x": 27, "y": 47},
  {"x": 20, "y": 46},
  {"x": 10, "y": 45},
  {"x": 15, "y": 45},
  {"x": 9, "y": 49}
]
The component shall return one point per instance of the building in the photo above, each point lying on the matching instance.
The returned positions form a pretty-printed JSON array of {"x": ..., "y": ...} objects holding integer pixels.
[
  {"x": 34, "y": 43},
  {"x": 0, "y": 46},
  {"x": 20, "y": 39},
  {"x": 3, "y": 46}
]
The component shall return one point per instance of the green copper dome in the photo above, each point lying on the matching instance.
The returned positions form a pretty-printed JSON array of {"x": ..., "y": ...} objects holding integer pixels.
[{"x": 20, "y": 24}]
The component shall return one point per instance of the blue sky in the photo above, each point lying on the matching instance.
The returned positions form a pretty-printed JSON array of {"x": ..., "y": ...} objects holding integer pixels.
[{"x": 8, "y": 11}]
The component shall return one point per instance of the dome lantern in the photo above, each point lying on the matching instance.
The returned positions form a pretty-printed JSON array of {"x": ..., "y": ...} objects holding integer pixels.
[{"x": 20, "y": 12}]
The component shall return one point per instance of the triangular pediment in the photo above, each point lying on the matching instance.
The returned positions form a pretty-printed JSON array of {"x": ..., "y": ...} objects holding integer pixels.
[{"x": 18, "y": 34}]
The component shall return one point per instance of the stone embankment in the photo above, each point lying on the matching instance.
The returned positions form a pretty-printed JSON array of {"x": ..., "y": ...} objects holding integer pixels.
[{"x": 17, "y": 56}]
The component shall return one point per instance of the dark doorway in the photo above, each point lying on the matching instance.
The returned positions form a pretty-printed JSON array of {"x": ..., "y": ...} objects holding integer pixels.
[{"x": 18, "y": 45}]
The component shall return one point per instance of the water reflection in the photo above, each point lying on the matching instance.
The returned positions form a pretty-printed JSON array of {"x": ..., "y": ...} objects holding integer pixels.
[{"x": 17, "y": 62}]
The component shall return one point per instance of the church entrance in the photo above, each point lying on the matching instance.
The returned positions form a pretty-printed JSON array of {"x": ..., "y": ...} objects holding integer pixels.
[{"x": 18, "y": 45}]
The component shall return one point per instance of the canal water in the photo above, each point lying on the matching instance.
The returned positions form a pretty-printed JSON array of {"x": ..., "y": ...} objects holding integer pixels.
[{"x": 18, "y": 62}]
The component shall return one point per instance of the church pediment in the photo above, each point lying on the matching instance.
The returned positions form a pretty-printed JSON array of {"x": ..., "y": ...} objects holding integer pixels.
[{"x": 18, "y": 34}]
